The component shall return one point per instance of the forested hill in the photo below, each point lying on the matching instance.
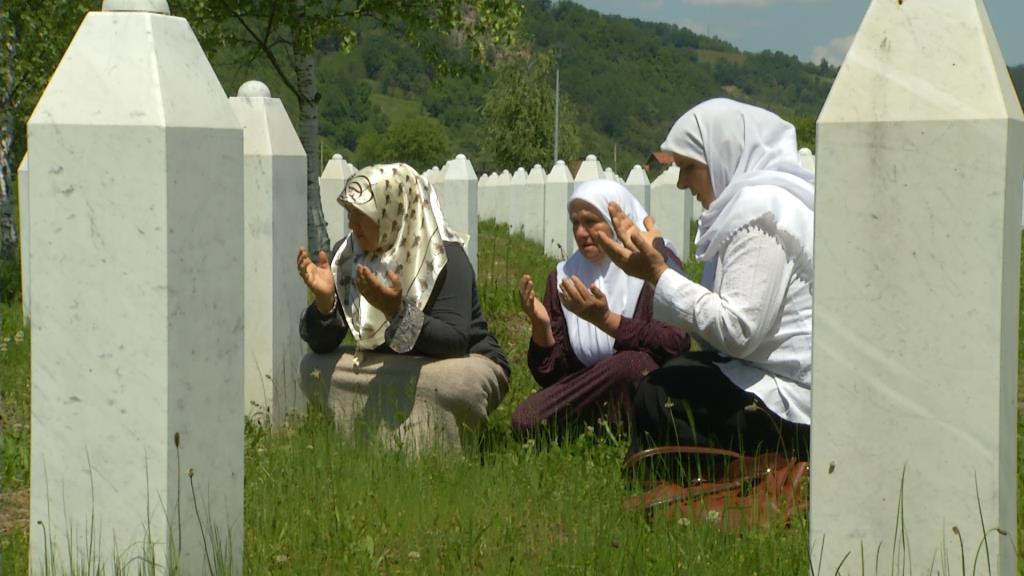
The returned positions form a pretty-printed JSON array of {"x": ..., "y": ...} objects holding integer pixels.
[{"x": 626, "y": 81}]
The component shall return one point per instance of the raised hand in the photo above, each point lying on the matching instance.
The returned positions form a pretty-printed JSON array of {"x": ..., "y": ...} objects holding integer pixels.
[
  {"x": 318, "y": 277},
  {"x": 637, "y": 255},
  {"x": 538, "y": 315},
  {"x": 387, "y": 299},
  {"x": 588, "y": 303}
]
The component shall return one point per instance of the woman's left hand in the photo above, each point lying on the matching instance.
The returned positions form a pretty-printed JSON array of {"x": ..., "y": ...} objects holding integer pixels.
[
  {"x": 637, "y": 255},
  {"x": 387, "y": 299},
  {"x": 588, "y": 303}
]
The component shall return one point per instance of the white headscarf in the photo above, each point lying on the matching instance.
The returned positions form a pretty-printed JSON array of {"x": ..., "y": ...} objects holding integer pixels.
[
  {"x": 410, "y": 243},
  {"x": 756, "y": 175},
  {"x": 590, "y": 343}
]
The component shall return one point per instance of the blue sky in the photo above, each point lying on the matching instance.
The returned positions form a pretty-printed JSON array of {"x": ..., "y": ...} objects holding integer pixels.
[{"x": 809, "y": 29}]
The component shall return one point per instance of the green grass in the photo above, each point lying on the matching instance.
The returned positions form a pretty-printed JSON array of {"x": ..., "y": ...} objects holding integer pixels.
[{"x": 318, "y": 502}]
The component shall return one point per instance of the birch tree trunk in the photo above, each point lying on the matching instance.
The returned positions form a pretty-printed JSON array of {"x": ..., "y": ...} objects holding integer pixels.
[
  {"x": 309, "y": 127},
  {"x": 8, "y": 229}
]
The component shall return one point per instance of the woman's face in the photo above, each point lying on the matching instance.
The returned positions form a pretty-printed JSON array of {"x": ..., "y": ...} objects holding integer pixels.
[
  {"x": 586, "y": 222},
  {"x": 364, "y": 229},
  {"x": 695, "y": 175}
]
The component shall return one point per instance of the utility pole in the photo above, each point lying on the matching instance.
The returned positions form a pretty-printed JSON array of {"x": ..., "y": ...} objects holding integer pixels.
[{"x": 555, "y": 158}]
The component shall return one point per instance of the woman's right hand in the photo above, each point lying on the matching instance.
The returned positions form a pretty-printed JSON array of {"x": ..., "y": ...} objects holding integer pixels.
[
  {"x": 532, "y": 305},
  {"x": 319, "y": 278}
]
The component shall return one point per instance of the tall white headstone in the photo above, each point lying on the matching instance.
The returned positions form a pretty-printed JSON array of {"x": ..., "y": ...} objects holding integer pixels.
[
  {"x": 137, "y": 225},
  {"x": 483, "y": 197},
  {"x": 558, "y": 239},
  {"x": 332, "y": 182},
  {"x": 916, "y": 299},
  {"x": 590, "y": 169},
  {"x": 533, "y": 204},
  {"x": 275, "y": 226},
  {"x": 807, "y": 159},
  {"x": 638, "y": 185},
  {"x": 23, "y": 218},
  {"x": 502, "y": 204},
  {"x": 516, "y": 192},
  {"x": 459, "y": 201},
  {"x": 671, "y": 210}
]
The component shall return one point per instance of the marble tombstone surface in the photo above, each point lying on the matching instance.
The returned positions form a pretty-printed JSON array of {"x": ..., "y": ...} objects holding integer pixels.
[
  {"x": 275, "y": 226},
  {"x": 558, "y": 239},
  {"x": 332, "y": 182},
  {"x": 533, "y": 204},
  {"x": 640, "y": 186},
  {"x": 671, "y": 208},
  {"x": 23, "y": 217},
  {"x": 136, "y": 223},
  {"x": 459, "y": 201},
  {"x": 916, "y": 299}
]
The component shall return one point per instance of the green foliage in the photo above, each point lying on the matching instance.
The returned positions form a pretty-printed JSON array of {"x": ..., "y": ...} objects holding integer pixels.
[
  {"x": 419, "y": 141},
  {"x": 519, "y": 114}
]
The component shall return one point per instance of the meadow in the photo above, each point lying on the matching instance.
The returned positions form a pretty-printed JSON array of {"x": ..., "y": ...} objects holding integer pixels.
[{"x": 317, "y": 502}]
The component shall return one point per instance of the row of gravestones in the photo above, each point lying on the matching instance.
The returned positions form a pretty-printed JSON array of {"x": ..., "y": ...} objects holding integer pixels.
[{"x": 153, "y": 213}]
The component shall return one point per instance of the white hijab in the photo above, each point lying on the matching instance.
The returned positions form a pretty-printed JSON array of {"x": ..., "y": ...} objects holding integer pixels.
[
  {"x": 410, "y": 243},
  {"x": 590, "y": 343},
  {"x": 756, "y": 175}
]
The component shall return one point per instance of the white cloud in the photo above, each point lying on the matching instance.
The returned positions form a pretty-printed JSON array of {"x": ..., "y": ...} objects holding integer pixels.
[{"x": 834, "y": 51}]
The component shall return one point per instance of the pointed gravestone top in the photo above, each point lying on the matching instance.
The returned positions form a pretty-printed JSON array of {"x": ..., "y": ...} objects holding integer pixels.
[
  {"x": 590, "y": 169},
  {"x": 637, "y": 176},
  {"x": 559, "y": 173},
  {"x": 461, "y": 169},
  {"x": 155, "y": 6},
  {"x": 536, "y": 175},
  {"x": 253, "y": 89},
  {"x": 902, "y": 67}
]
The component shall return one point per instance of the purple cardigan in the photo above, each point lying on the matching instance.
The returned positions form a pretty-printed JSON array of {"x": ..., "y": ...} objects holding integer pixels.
[{"x": 641, "y": 332}]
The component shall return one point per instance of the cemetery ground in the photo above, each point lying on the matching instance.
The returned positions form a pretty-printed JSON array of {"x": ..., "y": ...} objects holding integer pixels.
[{"x": 318, "y": 502}]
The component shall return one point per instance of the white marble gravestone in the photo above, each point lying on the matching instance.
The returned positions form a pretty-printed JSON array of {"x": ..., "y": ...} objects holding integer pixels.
[
  {"x": 137, "y": 224},
  {"x": 502, "y": 189},
  {"x": 482, "y": 197},
  {"x": 807, "y": 159},
  {"x": 23, "y": 218},
  {"x": 558, "y": 239},
  {"x": 671, "y": 210},
  {"x": 638, "y": 185},
  {"x": 916, "y": 299},
  {"x": 459, "y": 202},
  {"x": 516, "y": 192},
  {"x": 590, "y": 169},
  {"x": 275, "y": 226},
  {"x": 332, "y": 182},
  {"x": 532, "y": 204}
]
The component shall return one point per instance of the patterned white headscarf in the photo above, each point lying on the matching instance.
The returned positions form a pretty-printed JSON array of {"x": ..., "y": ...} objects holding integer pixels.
[
  {"x": 590, "y": 343},
  {"x": 756, "y": 175},
  {"x": 410, "y": 243}
]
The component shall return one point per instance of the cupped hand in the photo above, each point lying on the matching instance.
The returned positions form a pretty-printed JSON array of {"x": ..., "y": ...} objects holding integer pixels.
[
  {"x": 636, "y": 255},
  {"x": 531, "y": 305},
  {"x": 588, "y": 303},
  {"x": 318, "y": 277},
  {"x": 387, "y": 299}
]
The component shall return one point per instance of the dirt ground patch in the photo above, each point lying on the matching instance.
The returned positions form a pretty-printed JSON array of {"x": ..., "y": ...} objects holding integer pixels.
[{"x": 14, "y": 511}]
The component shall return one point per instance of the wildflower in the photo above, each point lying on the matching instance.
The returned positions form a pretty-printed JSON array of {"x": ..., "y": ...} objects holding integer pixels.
[
  {"x": 18, "y": 337},
  {"x": 281, "y": 558},
  {"x": 669, "y": 404},
  {"x": 189, "y": 472},
  {"x": 714, "y": 515},
  {"x": 315, "y": 373},
  {"x": 683, "y": 521},
  {"x": 414, "y": 555},
  {"x": 3, "y": 346}
]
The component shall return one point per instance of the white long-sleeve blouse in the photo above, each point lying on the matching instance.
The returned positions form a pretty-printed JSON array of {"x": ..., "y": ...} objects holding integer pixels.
[{"x": 759, "y": 315}]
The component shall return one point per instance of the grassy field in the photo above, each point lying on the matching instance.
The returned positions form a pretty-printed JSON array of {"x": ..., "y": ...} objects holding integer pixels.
[{"x": 319, "y": 503}]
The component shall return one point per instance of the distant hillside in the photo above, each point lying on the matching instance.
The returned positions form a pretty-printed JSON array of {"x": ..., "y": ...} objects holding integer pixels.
[{"x": 629, "y": 80}]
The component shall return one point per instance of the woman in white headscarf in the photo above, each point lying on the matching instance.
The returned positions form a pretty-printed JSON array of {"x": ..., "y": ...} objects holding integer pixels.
[
  {"x": 424, "y": 360},
  {"x": 593, "y": 338},
  {"x": 750, "y": 387}
]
